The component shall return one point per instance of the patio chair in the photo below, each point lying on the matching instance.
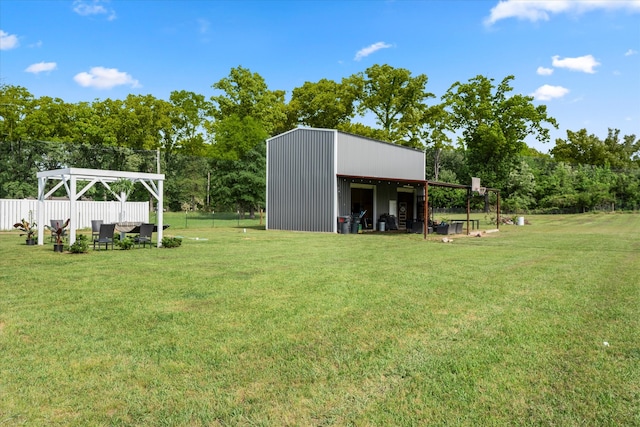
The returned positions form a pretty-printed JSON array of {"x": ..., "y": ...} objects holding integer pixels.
[
  {"x": 95, "y": 228},
  {"x": 146, "y": 230},
  {"x": 105, "y": 236}
]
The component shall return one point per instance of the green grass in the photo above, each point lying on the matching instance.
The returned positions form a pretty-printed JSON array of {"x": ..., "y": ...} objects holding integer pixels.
[{"x": 284, "y": 328}]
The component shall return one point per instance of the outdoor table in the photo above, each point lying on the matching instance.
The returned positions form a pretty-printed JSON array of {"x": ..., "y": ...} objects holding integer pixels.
[
  {"x": 475, "y": 223},
  {"x": 134, "y": 228},
  {"x": 127, "y": 227}
]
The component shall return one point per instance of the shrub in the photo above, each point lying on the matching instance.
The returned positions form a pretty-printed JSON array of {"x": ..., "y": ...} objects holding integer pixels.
[
  {"x": 124, "y": 244},
  {"x": 171, "y": 242},
  {"x": 81, "y": 245}
]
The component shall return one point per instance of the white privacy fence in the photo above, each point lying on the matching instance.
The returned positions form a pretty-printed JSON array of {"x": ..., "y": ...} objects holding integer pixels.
[{"x": 12, "y": 211}]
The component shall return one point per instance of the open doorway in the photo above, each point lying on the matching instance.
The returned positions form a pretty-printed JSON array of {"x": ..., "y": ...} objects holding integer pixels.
[{"x": 362, "y": 201}]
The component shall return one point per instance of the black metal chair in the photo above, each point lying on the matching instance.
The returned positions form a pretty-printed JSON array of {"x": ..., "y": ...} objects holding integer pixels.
[
  {"x": 146, "y": 231},
  {"x": 105, "y": 236},
  {"x": 95, "y": 228}
]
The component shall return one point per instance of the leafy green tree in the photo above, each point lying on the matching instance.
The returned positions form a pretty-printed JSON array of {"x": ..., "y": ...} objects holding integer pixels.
[
  {"x": 241, "y": 184},
  {"x": 494, "y": 125},
  {"x": 245, "y": 114},
  {"x": 49, "y": 119},
  {"x": 627, "y": 190},
  {"x": 395, "y": 98},
  {"x": 186, "y": 182},
  {"x": 594, "y": 187},
  {"x": 236, "y": 136},
  {"x": 587, "y": 149},
  {"x": 19, "y": 162},
  {"x": 15, "y": 104},
  {"x": 325, "y": 104},
  {"x": 246, "y": 94},
  {"x": 188, "y": 117},
  {"x": 520, "y": 190},
  {"x": 19, "y": 155}
]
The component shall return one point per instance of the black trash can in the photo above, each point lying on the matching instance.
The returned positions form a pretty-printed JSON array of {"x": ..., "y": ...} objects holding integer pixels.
[
  {"x": 355, "y": 224},
  {"x": 344, "y": 224}
]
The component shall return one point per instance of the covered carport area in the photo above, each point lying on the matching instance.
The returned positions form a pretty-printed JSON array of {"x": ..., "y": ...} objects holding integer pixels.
[
  {"x": 71, "y": 178},
  {"x": 469, "y": 191},
  {"x": 417, "y": 184}
]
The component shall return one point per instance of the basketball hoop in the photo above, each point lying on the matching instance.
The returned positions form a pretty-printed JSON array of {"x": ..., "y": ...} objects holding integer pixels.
[
  {"x": 482, "y": 191},
  {"x": 475, "y": 184}
]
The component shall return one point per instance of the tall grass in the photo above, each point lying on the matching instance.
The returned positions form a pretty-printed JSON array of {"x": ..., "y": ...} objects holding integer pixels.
[{"x": 534, "y": 325}]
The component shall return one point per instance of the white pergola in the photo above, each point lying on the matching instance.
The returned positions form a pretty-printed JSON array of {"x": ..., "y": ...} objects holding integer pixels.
[{"x": 70, "y": 177}]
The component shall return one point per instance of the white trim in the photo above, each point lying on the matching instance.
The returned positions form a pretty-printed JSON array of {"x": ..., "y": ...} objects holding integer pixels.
[
  {"x": 335, "y": 181},
  {"x": 266, "y": 198}
]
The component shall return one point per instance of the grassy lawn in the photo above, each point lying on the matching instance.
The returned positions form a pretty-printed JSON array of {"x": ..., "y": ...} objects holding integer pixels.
[{"x": 310, "y": 329}]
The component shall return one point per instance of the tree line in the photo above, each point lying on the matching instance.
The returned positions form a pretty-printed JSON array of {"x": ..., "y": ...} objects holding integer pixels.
[{"x": 212, "y": 149}]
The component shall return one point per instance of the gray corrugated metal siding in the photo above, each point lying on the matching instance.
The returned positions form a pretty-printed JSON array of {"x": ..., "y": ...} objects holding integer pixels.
[
  {"x": 300, "y": 185},
  {"x": 359, "y": 156}
]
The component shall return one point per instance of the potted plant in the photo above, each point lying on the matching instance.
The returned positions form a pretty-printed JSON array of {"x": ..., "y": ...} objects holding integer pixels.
[
  {"x": 28, "y": 229},
  {"x": 59, "y": 231}
]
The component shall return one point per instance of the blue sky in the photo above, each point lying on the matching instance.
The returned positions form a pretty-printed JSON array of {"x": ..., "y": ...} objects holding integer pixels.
[{"x": 580, "y": 58}]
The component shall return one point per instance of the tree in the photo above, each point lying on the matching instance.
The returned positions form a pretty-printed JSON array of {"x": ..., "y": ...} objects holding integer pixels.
[
  {"x": 241, "y": 184},
  {"x": 188, "y": 117},
  {"x": 587, "y": 149},
  {"x": 396, "y": 100},
  {"x": 245, "y": 115},
  {"x": 494, "y": 126},
  {"x": 246, "y": 94},
  {"x": 520, "y": 189},
  {"x": 15, "y": 104},
  {"x": 325, "y": 104}
]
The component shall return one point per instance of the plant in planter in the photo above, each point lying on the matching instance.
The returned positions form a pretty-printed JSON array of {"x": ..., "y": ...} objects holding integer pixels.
[
  {"x": 28, "y": 229},
  {"x": 60, "y": 230}
]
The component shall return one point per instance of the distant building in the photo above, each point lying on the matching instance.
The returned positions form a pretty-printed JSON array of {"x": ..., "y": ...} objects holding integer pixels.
[{"x": 315, "y": 176}]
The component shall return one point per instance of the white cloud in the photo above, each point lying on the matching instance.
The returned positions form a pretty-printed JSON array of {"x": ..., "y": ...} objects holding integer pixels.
[
  {"x": 544, "y": 71},
  {"x": 548, "y": 92},
  {"x": 585, "y": 63},
  {"x": 41, "y": 67},
  {"x": 105, "y": 78},
  {"x": 631, "y": 52},
  {"x": 93, "y": 7},
  {"x": 366, "y": 51},
  {"x": 540, "y": 10},
  {"x": 8, "y": 41}
]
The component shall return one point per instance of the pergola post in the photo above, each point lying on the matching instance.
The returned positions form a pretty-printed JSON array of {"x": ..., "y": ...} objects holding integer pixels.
[
  {"x": 426, "y": 209},
  {"x": 40, "y": 214},
  {"x": 160, "y": 207},
  {"x": 73, "y": 210}
]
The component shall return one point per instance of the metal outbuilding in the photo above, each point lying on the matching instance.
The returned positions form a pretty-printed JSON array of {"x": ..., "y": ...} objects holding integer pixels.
[{"x": 315, "y": 176}]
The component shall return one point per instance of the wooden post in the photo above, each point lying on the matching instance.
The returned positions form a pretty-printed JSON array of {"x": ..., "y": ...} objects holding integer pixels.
[
  {"x": 468, "y": 208},
  {"x": 426, "y": 209},
  {"x": 498, "y": 210}
]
